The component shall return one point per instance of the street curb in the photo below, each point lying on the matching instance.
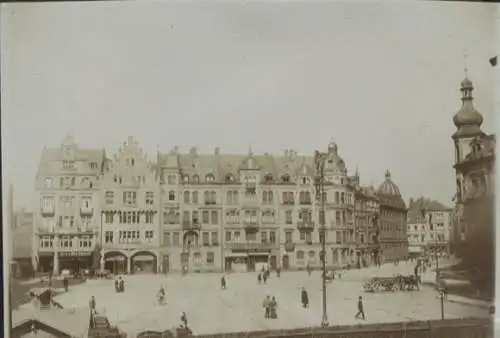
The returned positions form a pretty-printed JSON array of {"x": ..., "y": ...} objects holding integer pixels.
[{"x": 482, "y": 306}]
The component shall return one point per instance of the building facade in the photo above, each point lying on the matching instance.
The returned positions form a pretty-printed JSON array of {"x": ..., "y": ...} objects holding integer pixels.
[
  {"x": 429, "y": 228},
  {"x": 22, "y": 243},
  {"x": 66, "y": 211},
  {"x": 203, "y": 212},
  {"x": 130, "y": 199},
  {"x": 393, "y": 216}
]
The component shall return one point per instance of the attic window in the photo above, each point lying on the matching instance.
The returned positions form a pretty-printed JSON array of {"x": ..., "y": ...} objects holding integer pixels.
[
  {"x": 185, "y": 179},
  {"x": 268, "y": 177},
  {"x": 209, "y": 177},
  {"x": 229, "y": 178},
  {"x": 93, "y": 165},
  {"x": 285, "y": 178},
  {"x": 196, "y": 179}
]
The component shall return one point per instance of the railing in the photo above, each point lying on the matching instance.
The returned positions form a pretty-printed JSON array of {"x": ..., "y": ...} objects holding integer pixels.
[
  {"x": 252, "y": 246},
  {"x": 305, "y": 225}
]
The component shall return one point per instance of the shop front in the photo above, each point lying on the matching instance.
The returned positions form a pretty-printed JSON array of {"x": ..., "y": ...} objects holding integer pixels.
[
  {"x": 144, "y": 262},
  {"x": 75, "y": 261},
  {"x": 116, "y": 262}
]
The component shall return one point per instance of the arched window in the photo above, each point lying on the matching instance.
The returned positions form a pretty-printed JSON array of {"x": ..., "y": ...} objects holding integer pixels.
[
  {"x": 229, "y": 178},
  {"x": 196, "y": 179},
  {"x": 264, "y": 197},
  {"x": 209, "y": 177},
  {"x": 206, "y": 197},
  {"x": 171, "y": 195},
  {"x": 300, "y": 255},
  {"x": 195, "y": 197},
  {"x": 285, "y": 178},
  {"x": 302, "y": 198},
  {"x": 236, "y": 196},
  {"x": 185, "y": 179},
  {"x": 270, "y": 197},
  {"x": 337, "y": 197},
  {"x": 186, "y": 196},
  {"x": 268, "y": 178},
  {"x": 307, "y": 197},
  {"x": 213, "y": 197}
]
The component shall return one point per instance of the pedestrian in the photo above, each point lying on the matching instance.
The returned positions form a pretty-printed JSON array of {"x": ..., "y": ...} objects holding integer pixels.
[
  {"x": 308, "y": 269},
  {"x": 273, "y": 314},
  {"x": 121, "y": 284},
  {"x": 259, "y": 278},
  {"x": 184, "y": 319},
  {"x": 266, "y": 305},
  {"x": 264, "y": 278},
  {"x": 92, "y": 305},
  {"x": 361, "y": 311},
  {"x": 223, "y": 283},
  {"x": 304, "y": 298},
  {"x": 278, "y": 271},
  {"x": 65, "y": 283}
]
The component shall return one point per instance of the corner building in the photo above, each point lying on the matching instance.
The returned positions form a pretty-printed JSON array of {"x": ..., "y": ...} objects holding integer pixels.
[
  {"x": 225, "y": 212},
  {"x": 130, "y": 200},
  {"x": 66, "y": 210}
]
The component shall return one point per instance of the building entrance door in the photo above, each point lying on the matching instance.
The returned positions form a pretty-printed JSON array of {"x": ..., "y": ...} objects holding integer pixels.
[
  {"x": 273, "y": 262},
  {"x": 286, "y": 262}
]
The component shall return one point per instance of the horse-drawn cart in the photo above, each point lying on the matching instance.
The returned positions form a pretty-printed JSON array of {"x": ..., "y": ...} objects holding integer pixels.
[{"x": 397, "y": 283}]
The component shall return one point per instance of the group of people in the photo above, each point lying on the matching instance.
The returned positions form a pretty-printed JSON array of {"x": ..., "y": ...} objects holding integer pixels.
[
  {"x": 270, "y": 305},
  {"x": 119, "y": 285}
]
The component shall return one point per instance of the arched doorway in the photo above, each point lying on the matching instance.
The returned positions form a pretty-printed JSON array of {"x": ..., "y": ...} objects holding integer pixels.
[
  {"x": 116, "y": 262},
  {"x": 144, "y": 262},
  {"x": 190, "y": 242}
]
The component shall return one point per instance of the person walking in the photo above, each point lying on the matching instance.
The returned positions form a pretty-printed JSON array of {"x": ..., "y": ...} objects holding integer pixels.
[
  {"x": 361, "y": 312},
  {"x": 273, "y": 314},
  {"x": 304, "y": 298},
  {"x": 259, "y": 278},
  {"x": 184, "y": 319},
  {"x": 278, "y": 271},
  {"x": 92, "y": 305},
  {"x": 223, "y": 283},
  {"x": 266, "y": 305}
]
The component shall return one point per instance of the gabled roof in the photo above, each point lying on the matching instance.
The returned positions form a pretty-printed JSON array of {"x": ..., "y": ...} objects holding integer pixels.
[
  {"x": 417, "y": 208},
  {"x": 72, "y": 322}
]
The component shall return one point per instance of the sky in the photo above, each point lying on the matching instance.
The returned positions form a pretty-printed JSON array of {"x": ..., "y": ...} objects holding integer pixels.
[{"x": 380, "y": 79}]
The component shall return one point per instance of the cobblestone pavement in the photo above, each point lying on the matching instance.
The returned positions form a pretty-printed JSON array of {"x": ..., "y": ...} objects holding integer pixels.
[{"x": 210, "y": 309}]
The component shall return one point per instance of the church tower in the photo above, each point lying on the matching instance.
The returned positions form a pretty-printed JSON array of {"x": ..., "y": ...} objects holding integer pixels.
[{"x": 468, "y": 122}]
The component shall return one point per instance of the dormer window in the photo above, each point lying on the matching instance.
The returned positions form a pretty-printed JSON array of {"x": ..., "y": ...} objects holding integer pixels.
[
  {"x": 209, "y": 177},
  {"x": 185, "y": 179},
  {"x": 93, "y": 165},
  {"x": 229, "y": 178},
  {"x": 268, "y": 178},
  {"x": 285, "y": 178},
  {"x": 196, "y": 179}
]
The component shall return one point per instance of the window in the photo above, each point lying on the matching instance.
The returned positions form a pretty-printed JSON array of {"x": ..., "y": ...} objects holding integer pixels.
[
  {"x": 185, "y": 179},
  {"x": 149, "y": 198},
  {"x": 93, "y": 165},
  {"x": 108, "y": 238},
  {"x": 109, "y": 218},
  {"x": 61, "y": 182},
  {"x": 149, "y": 235},
  {"x": 288, "y": 198},
  {"x": 338, "y": 217},
  {"x": 272, "y": 237},
  {"x": 197, "y": 258},
  {"x": 48, "y": 182},
  {"x": 196, "y": 179},
  {"x": 215, "y": 238},
  {"x": 195, "y": 197},
  {"x": 205, "y": 217},
  {"x": 196, "y": 218},
  {"x": 68, "y": 164},
  {"x": 263, "y": 237},
  {"x": 268, "y": 178},
  {"x": 73, "y": 181},
  {"x": 215, "y": 217},
  {"x": 149, "y": 217},
  {"x": 251, "y": 236},
  {"x": 342, "y": 198},
  {"x": 300, "y": 255},
  {"x": 206, "y": 197},
  {"x": 129, "y": 197},
  {"x": 171, "y": 195},
  {"x": 285, "y": 178},
  {"x": 166, "y": 238},
  {"x": 175, "y": 239},
  {"x": 337, "y": 197},
  {"x": 209, "y": 178},
  {"x": 186, "y": 217},
  {"x": 288, "y": 217},
  {"x": 171, "y": 179},
  {"x": 228, "y": 236},
  {"x": 311, "y": 255},
  {"x": 47, "y": 203},
  {"x": 229, "y": 178},
  {"x": 302, "y": 236},
  {"x": 186, "y": 196},
  {"x": 213, "y": 197},
  {"x": 206, "y": 238},
  {"x": 210, "y": 258}
]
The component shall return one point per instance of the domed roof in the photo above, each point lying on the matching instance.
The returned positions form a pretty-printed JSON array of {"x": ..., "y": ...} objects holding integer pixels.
[
  {"x": 388, "y": 187},
  {"x": 334, "y": 163},
  {"x": 467, "y": 115}
]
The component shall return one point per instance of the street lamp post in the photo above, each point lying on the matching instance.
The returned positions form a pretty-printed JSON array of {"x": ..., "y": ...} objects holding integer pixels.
[{"x": 319, "y": 182}]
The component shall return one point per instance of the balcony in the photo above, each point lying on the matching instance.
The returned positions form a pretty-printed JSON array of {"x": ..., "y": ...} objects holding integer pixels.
[
  {"x": 256, "y": 246},
  {"x": 86, "y": 211},
  {"x": 289, "y": 247},
  {"x": 305, "y": 226},
  {"x": 191, "y": 225},
  {"x": 251, "y": 224},
  {"x": 288, "y": 202},
  {"x": 49, "y": 210}
]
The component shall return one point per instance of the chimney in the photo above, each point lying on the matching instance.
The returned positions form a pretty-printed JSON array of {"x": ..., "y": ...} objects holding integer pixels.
[
  {"x": 217, "y": 150},
  {"x": 193, "y": 151}
]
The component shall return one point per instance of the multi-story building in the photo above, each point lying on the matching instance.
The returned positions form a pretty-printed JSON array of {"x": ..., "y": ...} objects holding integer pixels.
[
  {"x": 428, "y": 227},
  {"x": 473, "y": 234},
  {"x": 66, "y": 212},
  {"x": 366, "y": 224},
  {"x": 393, "y": 215},
  {"x": 22, "y": 243},
  {"x": 130, "y": 223},
  {"x": 237, "y": 212}
]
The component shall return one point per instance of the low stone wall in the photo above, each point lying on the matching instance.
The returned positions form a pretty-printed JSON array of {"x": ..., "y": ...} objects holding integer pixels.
[{"x": 456, "y": 328}]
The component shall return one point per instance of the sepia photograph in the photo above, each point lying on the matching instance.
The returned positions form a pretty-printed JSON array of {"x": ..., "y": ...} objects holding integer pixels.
[{"x": 249, "y": 169}]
